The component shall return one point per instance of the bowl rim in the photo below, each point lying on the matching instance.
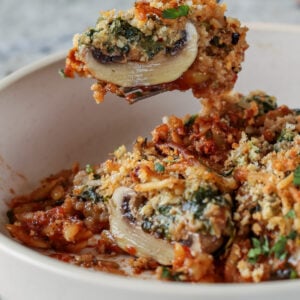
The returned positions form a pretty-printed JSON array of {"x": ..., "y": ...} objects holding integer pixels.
[
  {"x": 102, "y": 279},
  {"x": 31, "y": 68},
  {"x": 15, "y": 249}
]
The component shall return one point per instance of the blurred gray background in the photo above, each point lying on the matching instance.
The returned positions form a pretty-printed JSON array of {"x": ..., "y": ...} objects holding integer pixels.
[{"x": 32, "y": 29}]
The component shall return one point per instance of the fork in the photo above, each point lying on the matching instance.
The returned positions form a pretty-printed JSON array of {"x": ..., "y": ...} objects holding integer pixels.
[{"x": 136, "y": 94}]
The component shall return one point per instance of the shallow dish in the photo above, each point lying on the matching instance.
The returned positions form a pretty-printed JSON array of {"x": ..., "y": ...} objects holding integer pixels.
[{"x": 47, "y": 123}]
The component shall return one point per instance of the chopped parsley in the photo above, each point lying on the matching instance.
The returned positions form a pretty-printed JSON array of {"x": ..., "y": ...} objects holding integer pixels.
[
  {"x": 296, "y": 180},
  {"x": 159, "y": 168},
  {"x": 158, "y": 224},
  {"x": 279, "y": 248},
  {"x": 90, "y": 34},
  {"x": 286, "y": 135},
  {"x": 177, "y": 12},
  {"x": 260, "y": 247},
  {"x": 191, "y": 120},
  {"x": 265, "y": 103},
  {"x": 120, "y": 28},
  {"x": 89, "y": 169},
  {"x": 164, "y": 209},
  {"x": 292, "y": 235},
  {"x": 90, "y": 194},
  {"x": 293, "y": 274},
  {"x": 151, "y": 47},
  {"x": 201, "y": 199},
  {"x": 167, "y": 274},
  {"x": 290, "y": 214},
  {"x": 62, "y": 73}
]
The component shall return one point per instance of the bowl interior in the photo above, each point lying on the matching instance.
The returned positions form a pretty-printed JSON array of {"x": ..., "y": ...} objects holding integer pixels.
[
  {"x": 48, "y": 123},
  {"x": 272, "y": 62}
]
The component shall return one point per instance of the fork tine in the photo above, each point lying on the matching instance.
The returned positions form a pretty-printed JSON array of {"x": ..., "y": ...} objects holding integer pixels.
[{"x": 136, "y": 95}]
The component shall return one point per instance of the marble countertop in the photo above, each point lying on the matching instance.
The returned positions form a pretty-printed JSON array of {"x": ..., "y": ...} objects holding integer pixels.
[{"x": 32, "y": 29}]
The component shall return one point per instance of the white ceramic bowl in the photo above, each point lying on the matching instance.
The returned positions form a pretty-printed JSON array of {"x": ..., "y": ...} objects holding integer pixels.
[{"x": 47, "y": 123}]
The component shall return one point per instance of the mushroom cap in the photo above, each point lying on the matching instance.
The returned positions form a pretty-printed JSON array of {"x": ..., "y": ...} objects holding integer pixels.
[
  {"x": 161, "y": 69},
  {"x": 129, "y": 235}
]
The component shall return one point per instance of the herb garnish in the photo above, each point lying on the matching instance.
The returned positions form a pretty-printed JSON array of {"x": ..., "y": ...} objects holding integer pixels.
[
  {"x": 120, "y": 28},
  {"x": 174, "y": 13},
  {"x": 90, "y": 194},
  {"x": 279, "y": 248},
  {"x": 62, "y": 73},
  {"x": 293, "y": 274},
  {"x": 164, "y": 209},
  {"x": 159, "y": 168},
  {"x": 290, "y": 214},
  {"x": 260, "y": 247},
  {"x": 89, "y": 169},
  {"x": 286, "y": 135},
  {"x": 292, "y": 235},
  {"x": 265, "y": 103},
  {"x": 201, "y": 199},
  {"x": 191, "y": 120},
  {"x": 167, "y": 274},
  {"x": 296, "y": 180}
]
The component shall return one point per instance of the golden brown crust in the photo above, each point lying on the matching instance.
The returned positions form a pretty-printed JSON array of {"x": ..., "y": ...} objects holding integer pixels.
[{"x": 254, "y": 240}]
